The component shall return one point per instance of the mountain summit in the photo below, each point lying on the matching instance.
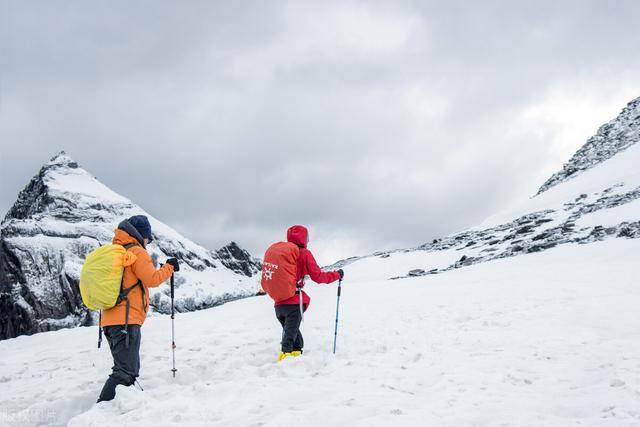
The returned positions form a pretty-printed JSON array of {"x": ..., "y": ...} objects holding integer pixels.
[
  {"x": 611, "y": 139},
  {"x": 62, "y": 215}
]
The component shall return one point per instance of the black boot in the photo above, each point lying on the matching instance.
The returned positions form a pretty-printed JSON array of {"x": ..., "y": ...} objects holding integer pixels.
[{"x": 109, "y": 389}]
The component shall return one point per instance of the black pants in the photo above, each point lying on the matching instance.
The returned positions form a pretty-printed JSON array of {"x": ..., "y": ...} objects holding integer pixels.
[
  {"x": 126, "y": 360},
  {"x": 290, "y": 317}
]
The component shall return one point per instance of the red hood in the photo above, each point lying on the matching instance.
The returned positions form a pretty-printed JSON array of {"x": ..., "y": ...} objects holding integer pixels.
[{"x": 299, "y": 235}]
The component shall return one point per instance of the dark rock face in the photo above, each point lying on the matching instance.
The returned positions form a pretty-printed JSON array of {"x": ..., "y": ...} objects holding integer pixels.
[
  {"x": 417, "y": 272},
  {"x": 24, "y": 310},
  {"x": 31, "y": 200},
  {"x": 15, "y": 319},
  {"x": 612, "y": 138},
  {"x": 239, "y": 260},
  {"x": 63, "y": 214}
]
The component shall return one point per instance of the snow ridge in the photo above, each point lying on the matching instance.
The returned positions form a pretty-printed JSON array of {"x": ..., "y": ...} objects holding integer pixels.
[
  {"x": 599, "y": 203},
  {"x": 612, "y": 138}
]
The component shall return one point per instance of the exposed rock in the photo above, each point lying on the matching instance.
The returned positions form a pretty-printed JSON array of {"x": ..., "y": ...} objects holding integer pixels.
[
  {"x": 239, "y": 260},
  {"x": 612, "y": 138},
  {"x": 417, "y": 272}
]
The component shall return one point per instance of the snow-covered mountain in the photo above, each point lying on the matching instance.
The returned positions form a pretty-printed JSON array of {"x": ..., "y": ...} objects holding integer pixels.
[
  {"x": 594, "y": 198},
  {"x": 63, "y": 214}
]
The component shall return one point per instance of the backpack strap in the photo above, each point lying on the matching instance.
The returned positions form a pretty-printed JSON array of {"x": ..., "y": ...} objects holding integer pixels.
[
  {"x": 124, "y": 296},
  {"x": 126, "y": 324},
  {"x": 100, "y": 329},
  {"x": 142, "y": 294}
]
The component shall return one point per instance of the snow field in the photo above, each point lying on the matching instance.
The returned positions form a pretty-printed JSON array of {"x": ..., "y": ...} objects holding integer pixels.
[
  {"x": 629, "y": 212},
  {"x": 399, "y": 263},
  {"x": 544, "y": 339}
]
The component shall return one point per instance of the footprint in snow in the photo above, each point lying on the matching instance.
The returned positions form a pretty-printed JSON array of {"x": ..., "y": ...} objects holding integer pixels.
[{"x": 616, "y": 383}]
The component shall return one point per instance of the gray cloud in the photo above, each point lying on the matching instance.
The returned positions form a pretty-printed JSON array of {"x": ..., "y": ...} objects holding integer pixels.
[{"x": 378, "y": 124}]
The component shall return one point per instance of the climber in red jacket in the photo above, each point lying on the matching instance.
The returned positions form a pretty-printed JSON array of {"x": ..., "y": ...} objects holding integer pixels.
[{"x": 288, "y": 311}]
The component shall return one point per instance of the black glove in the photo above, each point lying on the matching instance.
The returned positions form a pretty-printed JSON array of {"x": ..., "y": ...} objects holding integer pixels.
[
  {"x": 341, "y": 271},
  {"x": 174, "y": 263}
]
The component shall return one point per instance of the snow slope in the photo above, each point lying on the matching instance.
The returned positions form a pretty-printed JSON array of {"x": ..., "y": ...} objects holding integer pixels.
[
  {"x": 611, "y": 139},
  {"x": 619, "y": 173},
  {"x": 547, "y": 339},
  {"x": 594, "y": 198}
]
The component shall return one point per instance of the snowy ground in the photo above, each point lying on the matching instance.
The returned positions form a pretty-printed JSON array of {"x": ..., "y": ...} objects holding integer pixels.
[{"x": 548, "y": 339}]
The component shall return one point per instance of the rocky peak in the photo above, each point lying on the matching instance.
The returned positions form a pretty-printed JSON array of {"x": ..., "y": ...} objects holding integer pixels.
[
  {"x": 61, "y": 160},
  {"x": 64, "y": 191},
  {"x": 237, "y": 259},
  {"x": 34, "y": 197},
  {"x": 612, "y": 138}
]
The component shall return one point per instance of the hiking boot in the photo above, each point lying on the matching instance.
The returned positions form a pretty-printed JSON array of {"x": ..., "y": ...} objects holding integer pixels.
[
  {"x": 283, "y": 356},
  {"x": 296, "y": 353}
]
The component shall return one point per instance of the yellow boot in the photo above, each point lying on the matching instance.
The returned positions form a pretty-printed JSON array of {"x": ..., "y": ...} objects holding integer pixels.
[
  {"x": 283, "y": 356},
  {"x": 296, "y": 353}
]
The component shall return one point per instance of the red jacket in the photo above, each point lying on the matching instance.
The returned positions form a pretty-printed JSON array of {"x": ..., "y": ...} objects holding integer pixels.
[{"x": 307, "y": 265}]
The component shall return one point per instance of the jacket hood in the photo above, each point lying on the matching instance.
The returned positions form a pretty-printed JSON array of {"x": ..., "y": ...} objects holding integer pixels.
[
  {"x": 127, "y": 233},
  {"x": 299, "y": 235}
]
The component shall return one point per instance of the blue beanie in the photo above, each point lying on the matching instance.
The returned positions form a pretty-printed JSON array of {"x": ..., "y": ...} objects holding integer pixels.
[{"x": 141, "y": 223}]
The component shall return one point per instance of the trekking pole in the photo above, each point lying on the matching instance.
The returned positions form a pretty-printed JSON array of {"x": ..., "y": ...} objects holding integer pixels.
[
  {"x": 301, "y": 306},
  {"x": 173, "y": 331},
  {"x": 335, "y": 334}
]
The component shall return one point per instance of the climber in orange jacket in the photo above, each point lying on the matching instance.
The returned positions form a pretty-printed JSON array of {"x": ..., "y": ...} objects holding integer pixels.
[{"x": 122, "y": 326}]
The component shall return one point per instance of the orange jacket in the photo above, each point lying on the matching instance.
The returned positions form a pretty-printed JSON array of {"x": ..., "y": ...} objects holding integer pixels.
[{"x": 142, "y": 269}]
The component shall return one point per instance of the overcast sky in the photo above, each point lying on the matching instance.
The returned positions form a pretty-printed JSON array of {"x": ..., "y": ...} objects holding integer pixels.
[{"x": 377, "y": 124}]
